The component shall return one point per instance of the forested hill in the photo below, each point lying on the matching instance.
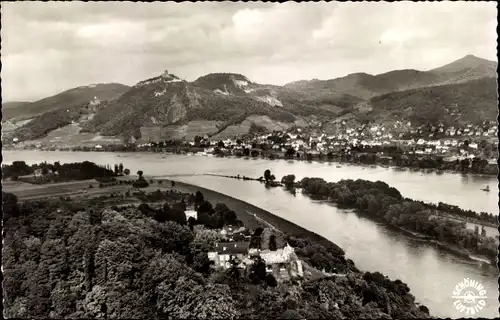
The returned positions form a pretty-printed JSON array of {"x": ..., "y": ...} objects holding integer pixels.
[
  {"x": 166, "y": 106},
  {"x": 77, "y": 259}
]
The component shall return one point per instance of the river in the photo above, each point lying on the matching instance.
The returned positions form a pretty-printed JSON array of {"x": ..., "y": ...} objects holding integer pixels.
[{"x": 430, "y": 273}]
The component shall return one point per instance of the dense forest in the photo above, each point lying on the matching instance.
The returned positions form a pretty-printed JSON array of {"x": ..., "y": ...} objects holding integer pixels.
[
  {"x": 383, "y": 202},
  {"x": 55, "y": 172},
  {"x": 47, "y": 122},
  {"x": 78, "y": 259}
]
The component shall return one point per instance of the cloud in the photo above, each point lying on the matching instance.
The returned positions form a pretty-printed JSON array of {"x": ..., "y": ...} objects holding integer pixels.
[{"x": 48, "y": 47}]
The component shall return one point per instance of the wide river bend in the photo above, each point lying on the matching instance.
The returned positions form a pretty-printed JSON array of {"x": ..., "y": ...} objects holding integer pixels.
[{"x": 430, "y": 273}]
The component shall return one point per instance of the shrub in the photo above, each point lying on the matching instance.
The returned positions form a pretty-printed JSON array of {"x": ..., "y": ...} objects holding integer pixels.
[{"x": 140, "y": 183}]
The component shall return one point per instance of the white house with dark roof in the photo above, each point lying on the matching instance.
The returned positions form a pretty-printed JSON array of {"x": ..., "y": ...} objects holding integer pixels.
[
  {"x": 191, "y": 213},
  {"x": 226, "y": 251},
  {"x": 283, "y": 263}
]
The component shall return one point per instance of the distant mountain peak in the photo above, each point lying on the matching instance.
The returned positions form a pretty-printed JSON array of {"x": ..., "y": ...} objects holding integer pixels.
[
  {"x": 225, "y": 83},
  {"x": 359, "y": 74},
  {"x": 164, "y": 77},
  {"x": 169, "y": 76},
  {"x": 467, "y": 62},
  {"x": 471, "y": 56},
  {"x": 222, "y": 75}
]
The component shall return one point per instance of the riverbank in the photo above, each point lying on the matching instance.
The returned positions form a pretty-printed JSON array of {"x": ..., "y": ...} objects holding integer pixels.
[
  {"x": 379, "y": 201},
  {"x": 458, "y": 252},
  {"x": 446, "y": 215},
  {"x": 247, "y": 213},
  {"x": 464, "y": 252}
]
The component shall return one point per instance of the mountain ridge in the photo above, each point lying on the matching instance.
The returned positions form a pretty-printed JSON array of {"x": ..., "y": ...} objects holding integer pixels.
[
  {"x": 366, "y": 85},
  {"x": 66, "y": 99},
  {"x": 468, "y": 61},
  {"x": 13, "y": 104},
  {"x": 219, "y": 102}
]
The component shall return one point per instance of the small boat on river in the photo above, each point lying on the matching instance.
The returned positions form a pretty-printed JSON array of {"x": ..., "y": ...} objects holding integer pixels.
[{"x": 487, "y": 189}]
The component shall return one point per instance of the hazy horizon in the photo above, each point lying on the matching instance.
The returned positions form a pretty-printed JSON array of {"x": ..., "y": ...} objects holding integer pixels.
[{"x": 67, "y": 45}]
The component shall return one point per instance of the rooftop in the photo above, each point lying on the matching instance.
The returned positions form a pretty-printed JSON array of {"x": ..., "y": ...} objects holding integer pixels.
[
  {"x": 232, "y": 247},
  {"x": 278, "y": 256}
]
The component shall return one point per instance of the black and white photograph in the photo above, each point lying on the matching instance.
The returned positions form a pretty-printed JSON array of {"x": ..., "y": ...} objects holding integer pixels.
[{"x": 249, "y": 160}]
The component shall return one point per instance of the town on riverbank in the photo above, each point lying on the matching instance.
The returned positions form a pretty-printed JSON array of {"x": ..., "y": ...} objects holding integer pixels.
[{"x": 467, "y": 149}]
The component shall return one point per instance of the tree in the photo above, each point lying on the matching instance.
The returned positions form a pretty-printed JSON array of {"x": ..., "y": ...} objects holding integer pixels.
[
  {"x": 163, "y": 215},
  {"x": 288, "y": 180},
  {"x": 201, "y": 263},
  {"x": 258, "y": 271},
  {"x": 291, "y": 314},
  {"x": 197, "y": 140},
  {"x": 191, "y": 223},
  {"x": 146, "y": 210},
  {"x": 234, "y": 272},
  {"x": 19, "y": 168},
  {"x": 272, "y": 243},
  {"x": 178, "y": 214},
  {"x": 206, "y": 207},
  {"x": 188, "y": 300},
  {"x": 120, "y": 168},
  {"x": 198, "y": 198},
  {"x": 10, "y": 206},
  {"x": 271, "y": 280},
  {"x": 140, "y": 183},
  {"x": 175, "y": 237},
  {"x": 140, "y": 173},
  {"x": 267, "y": 175},
  {"x": 57, "y": 165},
  {"x": 126, "y": 172}
]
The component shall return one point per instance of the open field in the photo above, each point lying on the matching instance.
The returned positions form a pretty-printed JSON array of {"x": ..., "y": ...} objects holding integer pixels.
[
  {"x": 70, "y": 136},
  {"x": 25, "y": 191}
]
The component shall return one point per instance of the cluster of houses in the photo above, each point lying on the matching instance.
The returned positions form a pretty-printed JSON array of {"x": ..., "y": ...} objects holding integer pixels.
[
  {"x": 282, "y": 263},
  {"x": 457, "y": 140},
  {"x": 432, "y": 140}
]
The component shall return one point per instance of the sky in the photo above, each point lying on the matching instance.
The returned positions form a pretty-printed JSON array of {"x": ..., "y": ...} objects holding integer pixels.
[{"x": 49, "y": 47}]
